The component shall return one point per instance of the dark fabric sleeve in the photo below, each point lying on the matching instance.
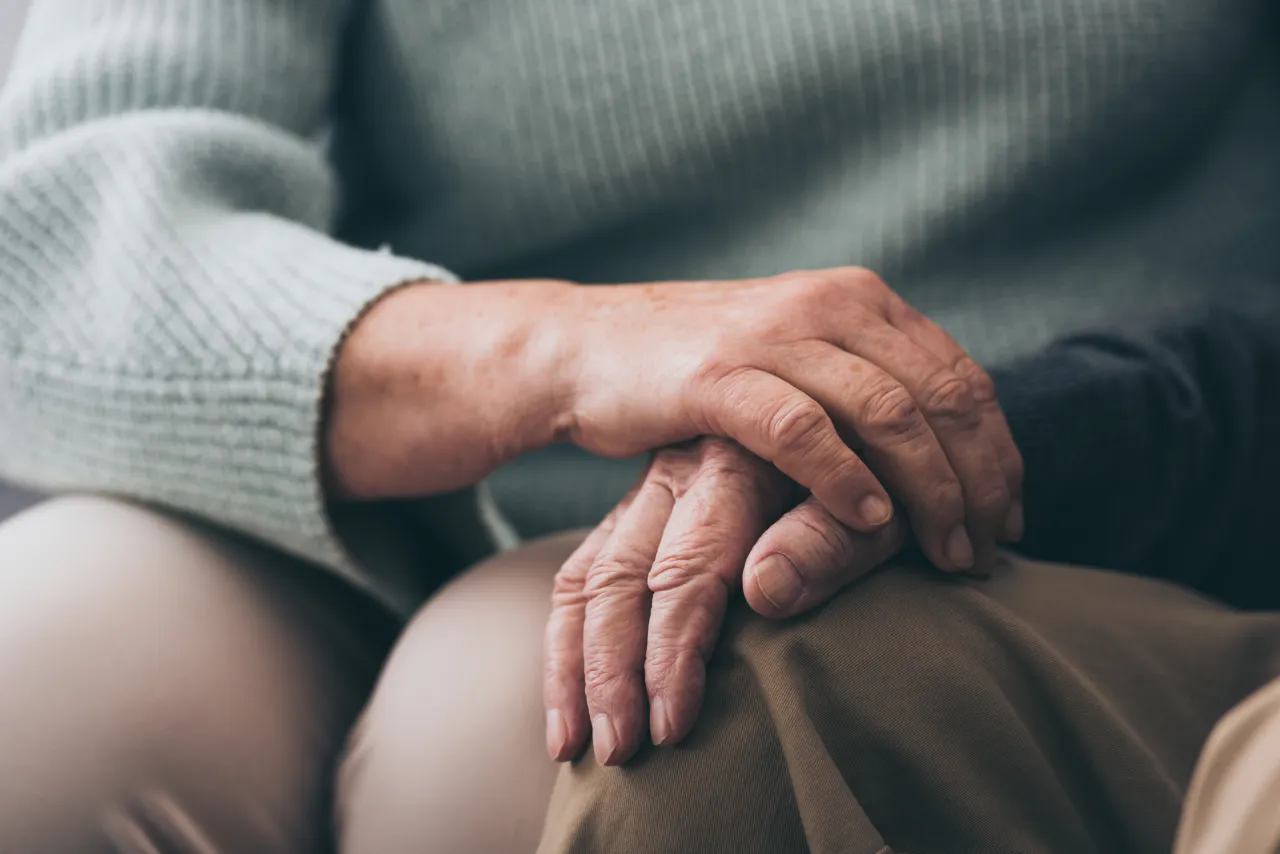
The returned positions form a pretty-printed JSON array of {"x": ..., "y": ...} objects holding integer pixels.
[{"x": 1154, "y": 446}]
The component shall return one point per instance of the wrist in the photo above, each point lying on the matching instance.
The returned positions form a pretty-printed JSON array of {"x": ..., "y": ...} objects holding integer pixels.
[
  {"x": 528, "y": 351},
  {"x": 436, "y": 386}
]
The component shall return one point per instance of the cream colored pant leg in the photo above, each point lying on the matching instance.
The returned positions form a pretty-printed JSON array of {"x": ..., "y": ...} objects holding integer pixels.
[
  {"x": 168, "y": 688},
  {"x": 1233, "y": 806},
  {"x": 164, "y": 688},
  {"x": 450, "y": 756}
]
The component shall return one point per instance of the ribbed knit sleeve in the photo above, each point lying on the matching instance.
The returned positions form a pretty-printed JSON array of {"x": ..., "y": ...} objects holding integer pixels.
[{"x": 170, "y": 300}]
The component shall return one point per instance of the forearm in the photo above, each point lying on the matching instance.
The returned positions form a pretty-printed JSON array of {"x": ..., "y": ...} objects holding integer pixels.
[{"x": 1152, "y": 446}]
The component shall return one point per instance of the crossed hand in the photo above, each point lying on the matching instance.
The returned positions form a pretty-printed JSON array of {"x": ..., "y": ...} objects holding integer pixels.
[{"x": 638, "y": 607}]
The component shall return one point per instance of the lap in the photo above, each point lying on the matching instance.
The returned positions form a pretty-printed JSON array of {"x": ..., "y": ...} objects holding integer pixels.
[
  {"x": 178, "y": 687},
  {"x": 174, "y": 680},
  {"x": 449, "y": 756},
  {"x": 167, "y": 685},
  {"x": 182, "y": 688},
  {"x": 1049, "y": 708}
]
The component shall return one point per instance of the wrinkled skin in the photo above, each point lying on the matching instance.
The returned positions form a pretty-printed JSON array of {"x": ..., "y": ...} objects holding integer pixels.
[
  {"x": 638, "y": 607},
  {"x": 822, "y": 387}
]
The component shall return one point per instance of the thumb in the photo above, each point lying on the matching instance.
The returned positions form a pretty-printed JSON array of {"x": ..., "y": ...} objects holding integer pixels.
[{"x": 808, "y": 555}]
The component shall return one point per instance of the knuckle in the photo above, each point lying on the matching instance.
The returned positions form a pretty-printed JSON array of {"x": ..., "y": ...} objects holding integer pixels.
[
  {"x": 948, "y": 398},
  {"x": 890, "y": 409},
  {"x": 688, "y": 573},
  {"x": 602, "y": 678},
  {"x": 945, "y": 499},
  {"x": 667, "y": 666},
  {"x": 725, "y": 460},
  {"x": 849, "y": 473},
  {"x": 994, "y": 499},
  {"x": 677, "y": 568},
  {"x": 797, "y": 426},
  {"x": 715, "y": 449},
  {"x": 675, "y": 571},
  {"x": 718, "y": 364},
  {"x": 721, "y": 380},
  {"x": 869, "y": 288},
  {"x": 664, "y": 460},
  {"x": 981, "y": 387},
  {"x": 904, "y": 313},
  {"x": 566, "y": 596},
  {"x": 660, "y": 670},
  {"x": 811, "y": 286},
  {"x": 566, "y": 589},
  {"x": 869, "y": 280},
  {"x": 613, "y": 578}
]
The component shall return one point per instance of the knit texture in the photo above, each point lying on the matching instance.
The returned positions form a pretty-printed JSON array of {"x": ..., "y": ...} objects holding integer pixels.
[{"x": 189, "y": 190}]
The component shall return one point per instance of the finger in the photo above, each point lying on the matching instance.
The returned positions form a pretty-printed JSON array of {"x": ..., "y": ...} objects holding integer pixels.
[
  {"x": 710, "y": 532},
  {"x": 947, "y": 403},
  {"x": 563, "y": 691},
  {"x": 898, "y": 441},
  {"x": 779, "y": 423},
  {"x": 616, "y": 625},
  {"x": 807, "y": 556},
  {"x": 934, "y": 338}
]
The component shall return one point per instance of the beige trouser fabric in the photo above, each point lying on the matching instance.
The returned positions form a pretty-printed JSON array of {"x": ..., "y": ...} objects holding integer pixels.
[
  {"x": 165, "y": 688},
  {"x": 1047, "y": 709}
]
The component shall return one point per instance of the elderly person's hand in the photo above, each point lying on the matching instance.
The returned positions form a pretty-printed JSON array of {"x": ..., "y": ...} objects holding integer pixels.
[
  {"x": 637, "y": 608},
  {"x": 437, "y": 386},
  {"x": 799, "y": 369}
]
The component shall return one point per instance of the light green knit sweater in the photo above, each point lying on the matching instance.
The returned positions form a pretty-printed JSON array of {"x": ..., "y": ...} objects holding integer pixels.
[{"x": 185, "y": 186}]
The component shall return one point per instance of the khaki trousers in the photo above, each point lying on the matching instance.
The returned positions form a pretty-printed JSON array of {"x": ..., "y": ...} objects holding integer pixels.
[
  {"x": 1046, "y": 709},
  {"x": 169, "y": 688}
]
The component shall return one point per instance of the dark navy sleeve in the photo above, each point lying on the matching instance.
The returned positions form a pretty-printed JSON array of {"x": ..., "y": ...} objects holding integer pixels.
[{"x": 1154, "y": 446}]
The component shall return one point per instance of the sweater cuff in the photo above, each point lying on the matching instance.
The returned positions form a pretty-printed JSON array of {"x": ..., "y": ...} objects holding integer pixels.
[
  {"x": 282, "y": 477},
  {"x": 230, "y": 431}
]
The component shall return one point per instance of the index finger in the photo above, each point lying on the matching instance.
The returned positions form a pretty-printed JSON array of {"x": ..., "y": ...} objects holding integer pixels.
[{"x": 780, "y": 423}]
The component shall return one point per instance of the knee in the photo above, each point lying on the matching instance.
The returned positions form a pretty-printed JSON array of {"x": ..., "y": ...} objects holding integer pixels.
[
  {"x": 157, "y": 696},
  {"x": 829, "y": 694},
  {"x": 449, "y": 755},
  {"x": 905, "y": 642}
]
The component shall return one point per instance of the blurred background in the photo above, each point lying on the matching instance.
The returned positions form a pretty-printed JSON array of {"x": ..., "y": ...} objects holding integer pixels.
[{"x": 11, "y": 14}]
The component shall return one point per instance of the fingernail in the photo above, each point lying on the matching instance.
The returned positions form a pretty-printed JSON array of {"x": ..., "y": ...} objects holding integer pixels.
[
  {"x": 1013, "y": 524},
  {"x": 779, "y": 581},
  {"x": 557, "y": 734},
  {"x": 874, "y": 510},
  {"x": 959, "y": 549},
  {"x": 604, "y": 738},
  {"x": 660, "y": 721}
]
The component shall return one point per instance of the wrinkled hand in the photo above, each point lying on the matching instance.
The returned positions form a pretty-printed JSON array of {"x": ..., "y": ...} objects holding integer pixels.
[
  {"x": 436, "y": 387},
  {"x": 638, "y": 607},
  {"x": 800, "y": 369}
]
